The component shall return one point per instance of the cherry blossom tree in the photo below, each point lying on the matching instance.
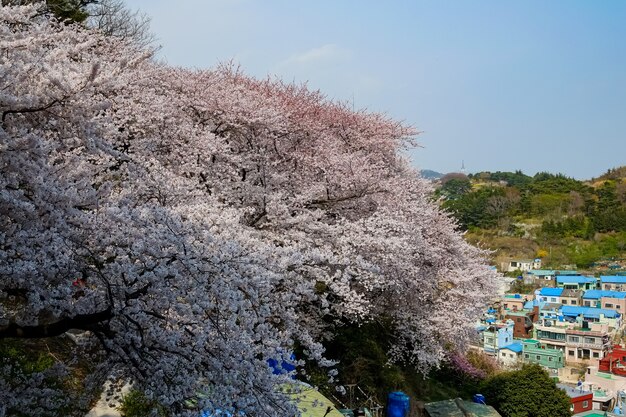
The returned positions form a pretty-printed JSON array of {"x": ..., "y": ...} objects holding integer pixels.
[{"x": 198, "y": 223}]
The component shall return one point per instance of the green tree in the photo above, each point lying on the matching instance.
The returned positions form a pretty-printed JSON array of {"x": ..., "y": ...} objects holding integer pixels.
[
  {"x": 528, "y": 392},
  {"x": 66, "y": 10},
  {"x": 455, "y": 188}
]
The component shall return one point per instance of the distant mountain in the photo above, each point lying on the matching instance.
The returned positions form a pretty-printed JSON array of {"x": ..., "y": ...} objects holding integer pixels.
[{"x": 430, "y": 174}]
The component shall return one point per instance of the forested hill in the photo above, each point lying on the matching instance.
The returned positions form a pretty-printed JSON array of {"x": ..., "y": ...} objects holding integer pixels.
[{"x": 563, "y": 220}]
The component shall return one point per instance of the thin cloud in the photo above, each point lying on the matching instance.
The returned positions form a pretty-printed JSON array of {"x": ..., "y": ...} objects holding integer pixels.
[{"x": 325, "y": 53}]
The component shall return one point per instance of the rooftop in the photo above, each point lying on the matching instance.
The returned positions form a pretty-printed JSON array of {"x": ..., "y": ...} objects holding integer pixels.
[
  {"x": 574, "y": 279},
  {"x": 551, "y": 306},
  {"x": 571, "y": 293},
  {"x": 590, "y": 312},
  {"x": 574, "y": 392},
  {"x": 459, "y": 408},
  {"x": 530, "y": 304},
  {"x": 517, "y": 313},
  {"x": 597, "y": 294},
  {"x": 552, "y": 272},
  {"x": 613, "y": 279},
  {"x": 551, "y": 292},
  {"x": 515, "y": 347}
]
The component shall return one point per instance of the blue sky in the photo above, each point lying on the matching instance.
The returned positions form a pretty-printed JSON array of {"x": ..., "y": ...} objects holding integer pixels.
[{"x": 500, "y": 85}]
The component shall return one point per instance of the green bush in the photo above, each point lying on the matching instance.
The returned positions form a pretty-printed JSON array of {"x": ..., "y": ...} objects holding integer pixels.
[
  {"x": 528, "y": 392},
  {"x": 137, "y": 404}
]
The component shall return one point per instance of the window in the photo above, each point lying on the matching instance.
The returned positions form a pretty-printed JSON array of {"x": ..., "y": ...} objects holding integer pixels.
[
  {"x": 608, "y": 305},
  {"x": 587, "y": 304},
  {"x": 519, "y": 319},
  {"x": 590, "y": 340},
  {"x": 549, "y": 358},
  {"x": 585, "y": 403},
  {"x": 538, "y": 357},
  {"x": 526, "y": 356},
  {"x": 573, "y": 302},
  {"x": 564, "y": 301},
  {"x": 503, "y": 355},
  {"x": 574, "y": 339},
  {"x": 617, "y": 306},
  {"x": 512, "y": 355},
  {"x": 570, "y": 352},
  {"x": 559, "y": 359},
  {"x": 596, "y": 354},
  {"x": 553, "y": 299}
]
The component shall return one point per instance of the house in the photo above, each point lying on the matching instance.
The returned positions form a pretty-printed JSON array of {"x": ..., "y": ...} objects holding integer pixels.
[
  {"x": 497, "y": 336},
  {"x": 515, "y": 302},
  {"x": 581, "y": 399},
  {"x": 593, "y": 315},
  {"x": 580, "y": 340},
  {"x": 607, "y": 299},
  {"x": 576, "y": 282},
  {"x": 604, "y": 386},
  {"x": 572, "y": 297},
  {"x": 613, "y": 282},
  {"x": 534, "y": 351},
  {"x": 459, "y": 408},
  {"x": 550, "y": 330},
  {"x": 510, "y": 355},
  {"x": 543, "y": 274},
  {"x": 614, "y": 362},
  {"x": 521, "y": 265},
  {"x": 523, "y": 322},
  {"x": 547, "y": 277},
  {"x": 585, "y": 344},
  {"x": 549, "y": 295}
]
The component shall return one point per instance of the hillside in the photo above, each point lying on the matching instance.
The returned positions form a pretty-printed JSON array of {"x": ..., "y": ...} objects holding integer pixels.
[{"x": 562, "y": 220}]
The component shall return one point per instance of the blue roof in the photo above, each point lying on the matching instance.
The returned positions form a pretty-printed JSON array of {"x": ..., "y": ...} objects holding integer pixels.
[
  {"x": 613, "y": 279},
  {"x": 551, "y": 292},
  {"x": 542, "y": 272},
  {"x": 515, "y": 347},
  {"x": 532, "y": 303},
  {"x": 597, "y": 294},
  {"x": 589, "y": 312},
  {"x": 574, "y": 279}
]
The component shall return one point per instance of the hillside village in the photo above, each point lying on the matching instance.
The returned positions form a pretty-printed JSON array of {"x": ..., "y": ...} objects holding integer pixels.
[
  {"x": 572, "y": 325},
  {"x": 568, "y": 223}
]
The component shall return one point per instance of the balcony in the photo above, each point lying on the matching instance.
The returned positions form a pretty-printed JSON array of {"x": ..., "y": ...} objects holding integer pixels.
[
  {"x": 550, "y": 328},
  {"x": 598, "y": 345}
]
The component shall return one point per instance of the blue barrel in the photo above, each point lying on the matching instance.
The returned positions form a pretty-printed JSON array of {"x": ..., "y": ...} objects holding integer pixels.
[
  {"x": 479, "y": 398},
  {"x": 397, "y": 404}
]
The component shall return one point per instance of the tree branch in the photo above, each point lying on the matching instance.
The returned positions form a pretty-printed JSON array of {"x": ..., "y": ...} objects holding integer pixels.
[{"x": 80, "y": 322}]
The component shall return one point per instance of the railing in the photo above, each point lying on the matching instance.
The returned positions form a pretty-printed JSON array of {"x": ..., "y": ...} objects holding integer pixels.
[
  {"x": 553, "y": 329},
  {"x": 586, "y": 345}
]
